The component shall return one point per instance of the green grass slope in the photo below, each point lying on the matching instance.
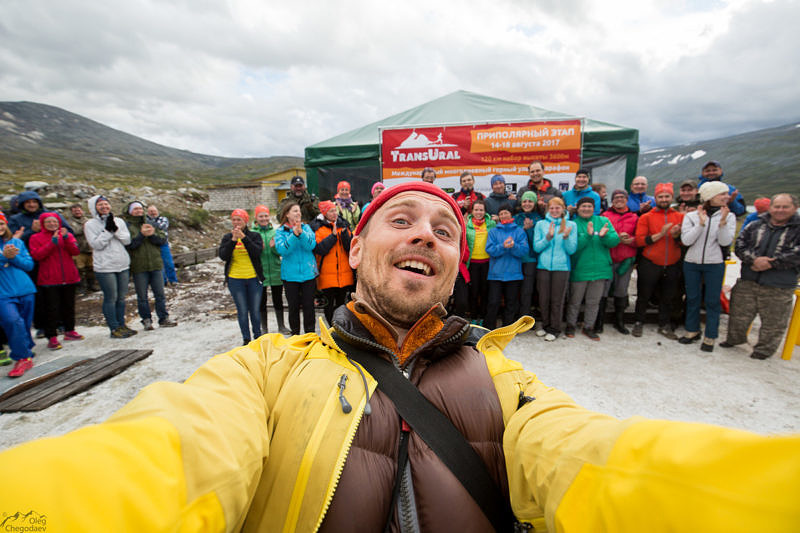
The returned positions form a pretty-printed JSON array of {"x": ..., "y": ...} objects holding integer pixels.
[{"x": 758, "y": 163}]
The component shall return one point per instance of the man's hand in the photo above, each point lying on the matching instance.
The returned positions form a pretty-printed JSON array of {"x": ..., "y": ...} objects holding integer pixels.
[
  {"x": 508, "y": 243},
  {"x": 762, "y": 263},
  {"x": 675, "y": 231},
  {"x": 36, "y": 226},
  {"x": 10, "y": 251},
  {"x": 604, "y": 230},
  {"x": 664, "y": 229},
  {"x": 552, "y": 231},
  {"x": 148, "y": 230},
  {"x": 512, "y": 197},
  {"x": 644, "y": 207},
  {"x": 734, "y": 194}
]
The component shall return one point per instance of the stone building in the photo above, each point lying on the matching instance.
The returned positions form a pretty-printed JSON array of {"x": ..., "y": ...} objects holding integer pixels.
[{"x": 267, "y": 190}]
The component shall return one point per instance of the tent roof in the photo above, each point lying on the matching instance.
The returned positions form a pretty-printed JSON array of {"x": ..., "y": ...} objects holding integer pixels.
[{"x": 460, "y": 107}]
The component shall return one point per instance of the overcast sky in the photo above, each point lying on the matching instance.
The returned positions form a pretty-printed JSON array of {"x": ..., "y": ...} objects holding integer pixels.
[{"x": 260, "y": 78}]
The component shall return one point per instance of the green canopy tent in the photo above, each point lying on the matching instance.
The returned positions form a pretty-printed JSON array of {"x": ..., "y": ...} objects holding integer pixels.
[{"x": 611, "y": 151}]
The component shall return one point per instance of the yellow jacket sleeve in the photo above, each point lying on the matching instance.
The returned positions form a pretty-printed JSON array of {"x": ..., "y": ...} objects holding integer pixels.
[
  {"x": 179, "y": 457},
  {"x": 594, "y": 473}
]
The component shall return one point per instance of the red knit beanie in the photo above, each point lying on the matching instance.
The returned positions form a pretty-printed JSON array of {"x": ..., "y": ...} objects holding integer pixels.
[
  {"x": 261, "y": 209},
  {"x": 420, "y": 186},
  {"x": 664, "y": 187}
]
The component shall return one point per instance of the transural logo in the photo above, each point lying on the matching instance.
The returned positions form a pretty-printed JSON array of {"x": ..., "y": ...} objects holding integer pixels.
[
  {"x": 23, "y": 522},
  {"x": 418, "y": 147}
]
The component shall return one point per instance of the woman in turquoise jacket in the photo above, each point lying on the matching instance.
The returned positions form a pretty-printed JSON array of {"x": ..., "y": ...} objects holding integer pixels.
[
  {"x": 271, "y": 266},
  {"x": 555, "y": 239},
  {"x": 527, "y": 219},
  {"x": 295, "y": 242},
  {"x": 592, "y": 267}
]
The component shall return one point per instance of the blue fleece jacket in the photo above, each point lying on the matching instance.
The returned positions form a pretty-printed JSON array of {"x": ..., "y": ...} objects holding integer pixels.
[
  {"x": 14, "y": 278},
  {"x": 636, "y": 199},
  {"x": 506, "y": 263},
  {"x": 572, "y": 196}
]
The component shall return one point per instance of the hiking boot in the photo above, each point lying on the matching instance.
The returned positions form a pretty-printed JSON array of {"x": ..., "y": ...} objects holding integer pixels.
[
  {"x": 39, "y": 334},
  {"x": 166, "y": 323},
  {"x": 667, "y": 332},
  {"x": 126, "y": 329},
  {"x": 122, "y": 333},
  {"x": 754, "y": 355},
  {"x": 20, "y": 367},
  {"x": 689, "y": 338},
  {"x": 148, "y": 324},
  {"x": 638, "y": 329},
  {"x": 4, "y": 358},
  {"x": 726, "y": 344},
  {"x": 541, "y": 332},
  {"x": 53, "y": 344},
  {"x": 592, "y": 334},
  {"x": 549, "y": 337},
  {"x": 73, "y": 336},
  {"x": 620, "y": 303},
  {"x": 601, "y": 316},
  {"x": 707, "y": 345},
  {"x": 569, "y": 331}
]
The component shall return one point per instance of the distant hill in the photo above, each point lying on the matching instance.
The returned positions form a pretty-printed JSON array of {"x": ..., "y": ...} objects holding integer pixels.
[
  {"x": 758, "y": 163},
  {"x": 45, "y": 142}
]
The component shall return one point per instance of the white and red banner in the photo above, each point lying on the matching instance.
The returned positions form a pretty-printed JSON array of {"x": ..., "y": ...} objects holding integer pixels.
[{"x": 484, "y": 150}]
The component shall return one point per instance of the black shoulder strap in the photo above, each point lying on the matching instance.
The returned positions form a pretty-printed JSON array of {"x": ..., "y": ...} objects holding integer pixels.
[{"x": 439, "y": 433}]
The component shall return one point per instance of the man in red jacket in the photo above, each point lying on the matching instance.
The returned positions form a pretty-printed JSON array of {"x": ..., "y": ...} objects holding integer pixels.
[{"x": 659, "y": 232}]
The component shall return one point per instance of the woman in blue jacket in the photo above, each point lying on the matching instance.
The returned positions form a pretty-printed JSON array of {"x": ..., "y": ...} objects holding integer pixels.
[
  {"x": 16, "y": 299},
  {"x": 295, "y": 242},
  {"x": 527, "y": 219},
  {"x": 555, "y": 238},
  {"x": 506, "y": 245}
]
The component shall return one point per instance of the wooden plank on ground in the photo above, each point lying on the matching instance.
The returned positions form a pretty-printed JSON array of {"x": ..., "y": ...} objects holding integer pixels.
[
  {"x": 72, "y": 381},
  {"x": 39, "y": 372},
  {"x": 206, "y": 254}
]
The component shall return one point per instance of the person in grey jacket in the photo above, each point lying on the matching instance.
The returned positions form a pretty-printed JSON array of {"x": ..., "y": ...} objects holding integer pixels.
[
  {"x": 770, "y": 252},
  {"x": 108, "y": 235},
  {"x": 704, "y": 231}
]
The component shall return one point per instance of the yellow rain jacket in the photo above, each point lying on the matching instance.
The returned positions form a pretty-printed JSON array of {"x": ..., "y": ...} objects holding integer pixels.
[{"x": 210, "y": 455}]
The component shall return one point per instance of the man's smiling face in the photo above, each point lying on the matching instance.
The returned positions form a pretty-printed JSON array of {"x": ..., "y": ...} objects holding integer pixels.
[{"x": 407, "y": 256}]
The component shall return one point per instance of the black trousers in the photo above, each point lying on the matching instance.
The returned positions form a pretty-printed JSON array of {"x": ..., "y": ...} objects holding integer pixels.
[
  {"x": 460, "y": 297},
  {"x": 301, "y": 293},
  {"x": 335, "y": 297},
  {"x": 497, "y": 290},
  {"x": 660, "y": 280},
  {"x": 59, "y": 308},
  {"x": 478, "y": 288}
]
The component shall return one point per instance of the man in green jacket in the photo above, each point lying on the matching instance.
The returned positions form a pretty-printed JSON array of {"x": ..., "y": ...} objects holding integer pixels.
[
  {"x": 147, "y": 266},
  {"x": 271, "y": 266},
  {"x": 591, "y": 267}
]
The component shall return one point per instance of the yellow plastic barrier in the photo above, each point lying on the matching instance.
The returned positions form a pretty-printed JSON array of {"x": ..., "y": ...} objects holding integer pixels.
[{"x": 793, "y": 335}]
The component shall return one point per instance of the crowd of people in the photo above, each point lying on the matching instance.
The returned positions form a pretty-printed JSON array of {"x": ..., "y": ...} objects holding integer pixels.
[
  {"x": 48, "y": 256},
  {"x": 564, "y": 257}
]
